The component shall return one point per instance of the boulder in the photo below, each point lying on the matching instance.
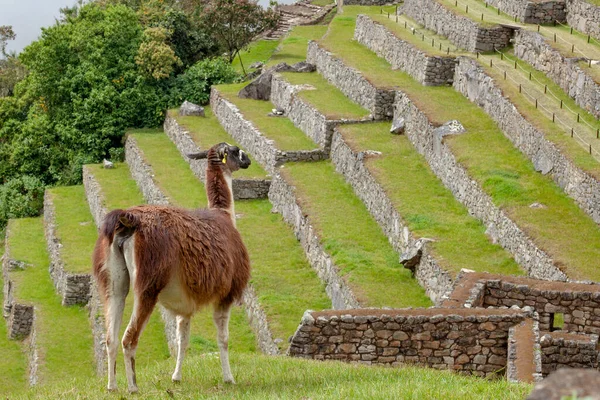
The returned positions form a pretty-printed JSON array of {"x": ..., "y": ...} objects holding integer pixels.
[
  {"x": 107, "y": 164},
  {"x": 191, "y": 109},
  {"x": 568, "y": 383},
  {"x": 397, "y": 126}
]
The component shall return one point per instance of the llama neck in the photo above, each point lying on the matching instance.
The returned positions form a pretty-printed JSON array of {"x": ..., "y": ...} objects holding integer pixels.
[{"x": 219, "y": 188}]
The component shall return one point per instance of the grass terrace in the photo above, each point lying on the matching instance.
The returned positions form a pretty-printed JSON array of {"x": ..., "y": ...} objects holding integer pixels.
[
  {"x": 504, "y": 174},
  {"x": 428, "y": 208},
  {"x": 284, "y": 281},
  {"x": 281, "y": 130},
  {"x": 325, "y": 97},
  {"x": 352, "y": 237},
  {"x": 64, "y": 338},
  {"x": 293, "y": 47},
  {"x": 474, "y": 11},
  {"x": 263, "y": 377},
  {"x": 261, "y": 50},
  {"x": 13, "y": 362},
  {"x": 207, "y": 131},
  {"x": 75, "y": 227}
]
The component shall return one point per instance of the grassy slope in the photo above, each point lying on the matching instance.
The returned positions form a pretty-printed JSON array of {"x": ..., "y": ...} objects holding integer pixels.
[
  {"x": 64, "y": 338},
  {"x": 263, "y": 377},
  {"x": 293, "y": 46},
  {"x": 207, "y": 131},
  {"x": 504, "y": 173},
  {"x": 13, "y": 363},
  {"x": 354, "y": 240},
  {"x": 261, "y": 50},
  {"x": 120, "y": 191},
  {"x": 281, "y": 130},
  {"x": 74, "y": 227},
  {"x": 429, "y": 209},
  {"x": 285, "y": 283},
  {"x": 325, "y": 97}
]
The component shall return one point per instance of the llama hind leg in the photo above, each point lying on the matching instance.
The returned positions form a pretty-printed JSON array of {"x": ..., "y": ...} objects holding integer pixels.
[
  {"x": 142, "y": 309},
  {"x": 183, "y": 339},
  {"x": 221, "y": 318}
]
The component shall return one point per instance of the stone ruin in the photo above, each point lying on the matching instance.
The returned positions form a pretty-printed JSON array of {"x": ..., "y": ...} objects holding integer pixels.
[{"x": 489, "y": 325}]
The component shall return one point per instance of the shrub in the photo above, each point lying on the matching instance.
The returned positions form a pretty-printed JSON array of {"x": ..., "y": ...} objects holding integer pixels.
[{"x": 21, "y": 197}]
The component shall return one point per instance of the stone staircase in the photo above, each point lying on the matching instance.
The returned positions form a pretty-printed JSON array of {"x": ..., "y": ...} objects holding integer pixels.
[{"x": 299, "y": 13}]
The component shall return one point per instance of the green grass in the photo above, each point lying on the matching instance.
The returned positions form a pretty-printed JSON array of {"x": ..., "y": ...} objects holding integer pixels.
[
  {"x": 13, "y": 362},
  {"x": 353, "y": 239},
  {"x": 428, "y": 208},
  {"x": 326, "y": 98},
  {"x": 281, "y": 130},
  {"x": 74, "y": 227},
  {"x": 64, "y": 338},
  {"x": 119, "y": 190},
  {"x": 261, "y": 50},
  {"x": 503, "y": 173},
  {"x": 321, "y": 3},
  {"x": 284, "y": 282},
  {"x": 293, "y": 47},
  {"x": 264, "y": 377},
  {"x": 207, "y": 131}
]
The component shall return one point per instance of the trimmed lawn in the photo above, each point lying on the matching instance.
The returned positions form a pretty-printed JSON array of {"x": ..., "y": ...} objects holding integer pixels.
[
  {"x": 351, "y": 236},
  {"x": 261, "y": 50},
  {"x": 428, "y": 208},
  {"x": 281, "y": 130},
  {"x": 293, "y": 47},
  {"x": 75, "y": 227},
  {"x": 119, "y": 190},
  {"x": 325, "y": 97}
]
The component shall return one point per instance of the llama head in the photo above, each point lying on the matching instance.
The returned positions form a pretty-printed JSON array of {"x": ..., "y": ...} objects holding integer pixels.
[{"x": 224, "y": 154}]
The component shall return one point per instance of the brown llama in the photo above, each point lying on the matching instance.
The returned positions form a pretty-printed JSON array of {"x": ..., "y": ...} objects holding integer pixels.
[{"x": 184, "y": 259}]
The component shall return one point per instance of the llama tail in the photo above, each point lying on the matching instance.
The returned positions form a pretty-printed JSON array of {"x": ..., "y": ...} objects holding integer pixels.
[{"x": 119, "y": 222}]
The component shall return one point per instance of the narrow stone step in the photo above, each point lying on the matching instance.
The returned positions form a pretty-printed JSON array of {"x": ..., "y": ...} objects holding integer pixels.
[
  {"x": 35, "y": 312},
  {"x": 524, "y": 352},
  {"x": 283, "y": 285},
  {"x": 191, "y": 134},
  {"x": 70, "y": 237}
]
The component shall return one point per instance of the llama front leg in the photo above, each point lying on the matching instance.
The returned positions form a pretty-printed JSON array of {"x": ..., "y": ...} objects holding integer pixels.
[
  {"x": 221, "y": 318},
  {"x": 142, "y": 309},
  {"x": 183, "y": 339}
]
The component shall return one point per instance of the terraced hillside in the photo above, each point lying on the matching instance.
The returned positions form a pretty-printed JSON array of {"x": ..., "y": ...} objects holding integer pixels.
[{"x": 492, "y": 166}]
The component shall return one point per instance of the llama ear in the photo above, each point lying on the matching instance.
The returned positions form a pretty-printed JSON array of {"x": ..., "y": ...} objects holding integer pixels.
[{"x": 198, "y": 156}]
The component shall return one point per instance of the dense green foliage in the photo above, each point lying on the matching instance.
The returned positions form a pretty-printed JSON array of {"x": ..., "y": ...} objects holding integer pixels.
[{"x": 102, "y": 68}]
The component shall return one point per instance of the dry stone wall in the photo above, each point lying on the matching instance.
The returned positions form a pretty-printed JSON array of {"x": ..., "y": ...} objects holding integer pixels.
[
  {"x": 532, "y": 12},
  {"x": 281, "y": 195},
  {"x": 472, "y": 81},
  {"x": 73, "y": 288},
  {"x": 142, "y": 173},
  {"x": 567, "y": 350},
  {"x": 467, "y": 341},
  {"x": 428, "y": 140},
  {"x": 242, "y": 188},
  {"x": 533, "y": 48},
  {"x": 249, "y": 137},
  {"x": 462, "y": 31},
  {"x": 379, "y": 101},
  {"x": 436, "y": 281},
  {"x": 427, "y": 70},
  {"x": 584, "y": 16}
]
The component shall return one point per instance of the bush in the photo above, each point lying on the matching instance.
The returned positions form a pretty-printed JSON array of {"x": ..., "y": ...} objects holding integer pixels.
[
  {"x": 194, "y": 85},
  {"x": 21, "y": 197}
]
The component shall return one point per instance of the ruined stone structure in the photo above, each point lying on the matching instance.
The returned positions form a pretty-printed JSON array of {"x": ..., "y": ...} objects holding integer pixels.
[
  {"x": 533, "y": 12},
  {"x": 584, "y": 16}
]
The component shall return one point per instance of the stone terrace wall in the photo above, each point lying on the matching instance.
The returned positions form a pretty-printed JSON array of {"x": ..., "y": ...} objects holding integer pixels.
[
  {"x": 578, "y": 302},
  {"x": 533, "y": 48},
  {"x": 379, "y": 101},
  {"x": 19, "y": 317},
  {"x": 249, "y": 137},
  {"x": 305, "y": 117},
  {"x": 532, "y": 12},
  {"x": 436, "y": 281},
  {"x": 428, "y": 141},
  {"x": 462, "y": 31},
  {"x": 567, "y": 350},
  {"x": 472, "y": 81},
  {"x": 242, "y": 188},
  {"x": 142, "y": 173},
  {"x": 468, "y": 341},
  {"x": 584, "y": 17},
  {"x": 427, "y": 70},
  {"x": 281, "y": 195},
  {"x": 73, "y": 288}
]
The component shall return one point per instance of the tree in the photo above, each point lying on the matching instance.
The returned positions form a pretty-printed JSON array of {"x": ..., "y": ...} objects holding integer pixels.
[
  {"x": 234, "y": 23},
  {"x": 6, "y": 34}
]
